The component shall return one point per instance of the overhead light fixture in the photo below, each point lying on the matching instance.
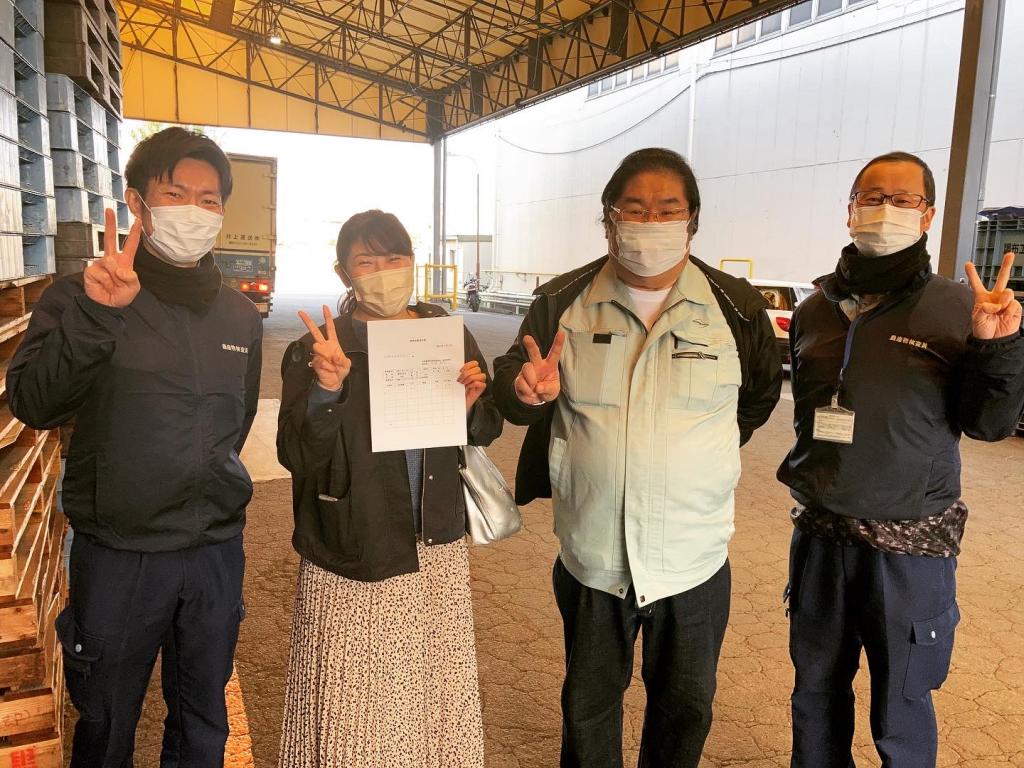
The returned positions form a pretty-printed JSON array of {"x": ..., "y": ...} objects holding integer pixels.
[{"x": 275, "y": 36}]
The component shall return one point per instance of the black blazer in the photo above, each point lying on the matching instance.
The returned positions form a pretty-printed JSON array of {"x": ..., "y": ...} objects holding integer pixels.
[{"x": 352, "y": 507}]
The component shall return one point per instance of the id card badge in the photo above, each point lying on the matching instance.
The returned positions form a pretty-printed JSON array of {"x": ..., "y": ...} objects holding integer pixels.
[{"x": 833, "y": 424}]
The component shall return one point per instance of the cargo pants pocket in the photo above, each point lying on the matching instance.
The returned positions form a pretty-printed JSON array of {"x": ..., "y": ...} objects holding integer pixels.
[
  {"x": 931, "y": 648},
  {"x": 81, "y": 652}
]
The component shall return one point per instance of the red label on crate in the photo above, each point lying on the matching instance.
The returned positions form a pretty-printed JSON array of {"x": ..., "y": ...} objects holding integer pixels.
[{"x": 24, "y": 758}]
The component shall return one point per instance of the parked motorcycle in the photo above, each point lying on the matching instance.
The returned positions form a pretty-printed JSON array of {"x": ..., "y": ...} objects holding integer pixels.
[{"x": 473, "y": 293}]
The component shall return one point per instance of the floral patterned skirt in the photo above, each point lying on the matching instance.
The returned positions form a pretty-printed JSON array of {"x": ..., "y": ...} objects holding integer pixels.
[{"x": 383, "y": 674}]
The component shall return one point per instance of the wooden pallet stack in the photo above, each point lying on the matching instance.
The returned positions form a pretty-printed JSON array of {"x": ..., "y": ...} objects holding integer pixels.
[{"x": 33, "y": 581}]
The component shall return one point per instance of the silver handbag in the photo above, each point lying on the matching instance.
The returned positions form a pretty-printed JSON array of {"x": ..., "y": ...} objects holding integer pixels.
[{"x": 491, "y": 510}]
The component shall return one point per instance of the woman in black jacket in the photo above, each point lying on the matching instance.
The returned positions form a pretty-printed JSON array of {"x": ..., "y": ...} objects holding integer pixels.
[{"x": 383, "y": 663}]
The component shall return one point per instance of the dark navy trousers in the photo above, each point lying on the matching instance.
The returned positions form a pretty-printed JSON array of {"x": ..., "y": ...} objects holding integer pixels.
[
  {"x": 901, "y": 610},
  {"x": 682, "y": 640},
  {"x": 123, "y": 607}
]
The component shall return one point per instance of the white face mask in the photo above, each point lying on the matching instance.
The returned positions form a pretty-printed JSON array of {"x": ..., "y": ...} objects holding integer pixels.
[
  {"x": 183, "y": 234},
  {"x": 880, "y": 230},
  {"x": 651, "y": 248},
  {"x": 386, "y": 292}
]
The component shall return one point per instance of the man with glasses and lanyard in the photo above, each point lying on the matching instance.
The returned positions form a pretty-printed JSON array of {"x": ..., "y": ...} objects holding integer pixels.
[
  {"x": 640, "y": 375},
  {"x": 891, "y": 364}
]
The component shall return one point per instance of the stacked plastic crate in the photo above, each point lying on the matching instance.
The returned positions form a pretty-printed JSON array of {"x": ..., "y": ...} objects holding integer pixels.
[
  {"x": 32, "y": 580},
  {"x": 10, "y": 181},
  {"x": 27, "y": 207},
  {"x": 83, "y": 65},
  {"x": 85, "y": 141},
  {"x": 84, "y": 42}
]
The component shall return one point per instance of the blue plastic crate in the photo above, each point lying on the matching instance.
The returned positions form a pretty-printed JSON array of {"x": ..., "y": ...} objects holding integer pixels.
[
  {"x": 67, "y": 169},
  {"x": 113, "y": 129},
  {"x": 72, "y": 205},
  {"x": 97, "y": 117},
  {"x": 33, "y": 130},
  {"x": 63, "y": 131},
  {"x": 92, "y": 144},
  {"x": 98, "y": 178},
  {"x": 29, "y": 84},
  {"x": 60, "y": 93},
  {"x": 28, "y": 41},
  {"x": 38, "y": 255},
  {"x": 38, "y": 214},
  {"x": 97, "y": 208},
  {"x": 117, "y": 185},
  {"x": 36, "y": 172},
  {"x": 32, "y": 12},
  {"x": 113, "y": 157}
]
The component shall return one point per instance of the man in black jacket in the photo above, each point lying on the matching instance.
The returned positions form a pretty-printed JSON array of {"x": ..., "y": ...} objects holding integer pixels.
[
  {"x": 159, "y": 365},
  {"x": 640, "y": 375},
  {"x": 890, "y": 365}
]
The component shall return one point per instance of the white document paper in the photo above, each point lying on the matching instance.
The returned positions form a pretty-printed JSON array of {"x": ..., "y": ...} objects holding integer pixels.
[{"x": 415, "y": 400}]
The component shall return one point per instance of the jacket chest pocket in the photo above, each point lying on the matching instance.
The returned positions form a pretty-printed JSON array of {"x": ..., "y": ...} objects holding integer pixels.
[
  {"x": 225, "y": 370},
  {"x": 702, "y": 371},
  {"x": 593, "y": 368}
]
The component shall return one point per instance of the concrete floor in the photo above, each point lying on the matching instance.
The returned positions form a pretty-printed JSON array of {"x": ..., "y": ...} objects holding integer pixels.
[{"x": 981, "y": 707}]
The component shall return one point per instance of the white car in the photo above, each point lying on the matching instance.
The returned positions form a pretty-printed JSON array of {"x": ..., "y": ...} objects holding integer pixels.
[{"x": 783, "y": 297}]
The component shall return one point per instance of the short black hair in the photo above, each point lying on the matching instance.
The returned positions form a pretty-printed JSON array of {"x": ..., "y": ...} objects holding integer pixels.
[
  {"x": 157, "y": 156},
  {"x": 901, "y": 157},
  {"x": 653, "y": 159}
]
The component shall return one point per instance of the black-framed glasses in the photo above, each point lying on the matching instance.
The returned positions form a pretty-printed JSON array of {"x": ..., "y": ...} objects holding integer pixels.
[
  {"x": 871, "y": 198},
  {"x": 630, "y": 213}
]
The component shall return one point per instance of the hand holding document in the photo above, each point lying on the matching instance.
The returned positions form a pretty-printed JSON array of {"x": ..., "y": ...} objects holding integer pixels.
[{"x": 416, "y": 400}]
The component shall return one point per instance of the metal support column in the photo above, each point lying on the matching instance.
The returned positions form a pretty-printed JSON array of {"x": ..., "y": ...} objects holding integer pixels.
[
  {"x": 972, "y": 132},
  {"x": 440, "y": 184},
  {"x": 438, "y": 246}
]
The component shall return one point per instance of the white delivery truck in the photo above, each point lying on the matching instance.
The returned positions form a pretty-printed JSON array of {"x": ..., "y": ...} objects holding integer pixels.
[{"x": 247, "y": 245}]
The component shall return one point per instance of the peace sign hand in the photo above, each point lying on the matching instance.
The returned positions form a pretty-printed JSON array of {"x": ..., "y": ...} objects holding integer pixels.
[
  {"x": 996, "y": 314},
  {"x": 329, "y": 361},
  {"x": 112, "y": 281},
  {"x": 538, "y": 381}
]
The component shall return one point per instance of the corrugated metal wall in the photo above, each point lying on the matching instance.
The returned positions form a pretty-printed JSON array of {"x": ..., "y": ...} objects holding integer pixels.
[{"x": 779, "y": 131}]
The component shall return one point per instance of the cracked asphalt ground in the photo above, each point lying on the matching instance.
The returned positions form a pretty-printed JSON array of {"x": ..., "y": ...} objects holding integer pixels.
[{"x": 519, "y": 641}]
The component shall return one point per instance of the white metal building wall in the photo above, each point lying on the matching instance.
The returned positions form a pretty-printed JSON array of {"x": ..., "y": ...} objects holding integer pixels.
[{"x": 779, "y": 131}]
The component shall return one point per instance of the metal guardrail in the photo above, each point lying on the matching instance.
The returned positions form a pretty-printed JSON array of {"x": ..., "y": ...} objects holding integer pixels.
[{"x": 500, "y": 301}]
